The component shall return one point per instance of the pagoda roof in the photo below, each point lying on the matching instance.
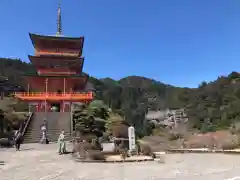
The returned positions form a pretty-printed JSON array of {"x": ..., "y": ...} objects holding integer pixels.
[
  {"x": 61, "y": 38},
  {"x": 82, "y": 75},
  {"x": 75, "y": 63},
  {"x": 55, "y": 59},
  {"x": 43, "y": 41}
]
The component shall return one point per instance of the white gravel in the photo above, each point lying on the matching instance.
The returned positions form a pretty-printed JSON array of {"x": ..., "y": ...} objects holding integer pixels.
[{"x": 40, "y": 162}]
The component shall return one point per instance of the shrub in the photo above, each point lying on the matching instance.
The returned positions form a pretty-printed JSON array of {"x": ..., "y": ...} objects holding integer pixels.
[
  {"x": 87, "y": 146},
  {"x": 124, "y": 153},
  {"x": 120, "y": 131},
  {"x": 121, "y": 145},
  {"x": 228, "y": 146},
  {"x": 95, "y": 155},
  {"x": 138, "y": 147},
  {"x": 175, "y": 136},
  {"x": 4, "y": 142},
  {"x": 146, "y": 150},
  {"x": 96, "y": 144},
  {"x": 80, "y": 148},
  {"x": 7, "y": 135}
]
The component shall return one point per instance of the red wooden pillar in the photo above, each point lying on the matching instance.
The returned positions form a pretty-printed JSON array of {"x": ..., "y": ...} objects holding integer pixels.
[
  {"x": 40, "y": 106},
  {"x": 49, "y": 107},
  {"x": 62, "y": 106}
]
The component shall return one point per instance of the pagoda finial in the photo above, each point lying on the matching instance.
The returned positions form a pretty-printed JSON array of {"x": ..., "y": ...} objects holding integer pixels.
[{"x": 59, "y": 20}]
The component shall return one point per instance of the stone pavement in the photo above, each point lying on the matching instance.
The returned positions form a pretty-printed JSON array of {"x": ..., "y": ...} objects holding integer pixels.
[{"x": 41, "y": 162}]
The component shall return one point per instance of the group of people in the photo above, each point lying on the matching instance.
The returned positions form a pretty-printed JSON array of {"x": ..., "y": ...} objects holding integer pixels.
[{"x": 61, "y": 142}]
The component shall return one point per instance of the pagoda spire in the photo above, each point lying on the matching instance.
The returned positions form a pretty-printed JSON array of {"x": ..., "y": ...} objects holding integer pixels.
[{"x": 59, "y": 20}]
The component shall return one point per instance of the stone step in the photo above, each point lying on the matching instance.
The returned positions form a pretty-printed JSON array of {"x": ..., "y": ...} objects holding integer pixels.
[
  {"x": 37, "y": 139},
  {"x": 57, "y": 122},
  {"x": 49, "y": 135},
  {"x": 49, "y": 130}
]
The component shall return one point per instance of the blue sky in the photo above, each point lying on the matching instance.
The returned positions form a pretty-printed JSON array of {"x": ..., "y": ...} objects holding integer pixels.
[{"x": 179, "y": 42}]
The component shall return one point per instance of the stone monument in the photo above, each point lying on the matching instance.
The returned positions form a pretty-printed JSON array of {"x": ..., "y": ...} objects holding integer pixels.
[{"x": 132, "y": 140}]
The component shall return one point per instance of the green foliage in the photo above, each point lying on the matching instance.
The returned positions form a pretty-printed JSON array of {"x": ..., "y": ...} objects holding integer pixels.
[
  {"x": 145, "y": 149},
  {"x": 212, "y": 106},
  {"x": 115, "y": 126},
  {"x": 91, "y": 120},
  {"x": 216, "y": 105},
  {"x": 175, "y": 136}
]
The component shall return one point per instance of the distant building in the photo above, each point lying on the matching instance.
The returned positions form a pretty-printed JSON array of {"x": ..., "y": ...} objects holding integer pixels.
[{"x": 167, "y": 117}]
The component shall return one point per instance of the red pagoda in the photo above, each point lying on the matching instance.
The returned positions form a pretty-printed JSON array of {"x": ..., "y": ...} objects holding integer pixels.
[{"x": 59, "y": 79}]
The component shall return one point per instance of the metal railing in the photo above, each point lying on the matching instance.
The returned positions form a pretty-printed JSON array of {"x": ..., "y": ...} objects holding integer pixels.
[{"x": 26, "y": 124}]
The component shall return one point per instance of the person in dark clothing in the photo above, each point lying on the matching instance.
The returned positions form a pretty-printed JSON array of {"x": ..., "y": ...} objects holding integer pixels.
[{"x": 18, "y": 137}]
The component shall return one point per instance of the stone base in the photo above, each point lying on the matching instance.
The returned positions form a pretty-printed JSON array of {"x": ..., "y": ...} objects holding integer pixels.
[{"x": 118, "y": 159}]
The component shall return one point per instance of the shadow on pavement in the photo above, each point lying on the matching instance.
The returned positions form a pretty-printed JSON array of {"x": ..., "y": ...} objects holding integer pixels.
[{"x": 26, "y": 149}]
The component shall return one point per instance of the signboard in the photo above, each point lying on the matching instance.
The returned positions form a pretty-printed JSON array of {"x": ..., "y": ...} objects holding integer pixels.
[
  {"x": 131, "y": 136},
  {"x": 108, "y": 147}
]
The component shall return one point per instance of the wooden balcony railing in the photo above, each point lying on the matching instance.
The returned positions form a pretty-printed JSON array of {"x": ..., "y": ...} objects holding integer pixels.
[
  {"x": 56, "y": 71},
  {"x": 75, "y": 96}
]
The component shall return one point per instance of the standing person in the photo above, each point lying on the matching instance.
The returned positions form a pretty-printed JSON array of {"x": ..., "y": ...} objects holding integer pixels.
[
  {"x": 61, "y": 144},
  {"x": 18, "y": 138},
  {"x": 44, "y": 139}
]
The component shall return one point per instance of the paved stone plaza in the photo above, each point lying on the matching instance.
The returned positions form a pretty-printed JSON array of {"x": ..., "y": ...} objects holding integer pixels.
[{"x": 40, "y": 162}]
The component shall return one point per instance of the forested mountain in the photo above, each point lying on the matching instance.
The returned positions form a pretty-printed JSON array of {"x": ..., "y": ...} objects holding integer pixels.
[{"x": 212, "y": 106}]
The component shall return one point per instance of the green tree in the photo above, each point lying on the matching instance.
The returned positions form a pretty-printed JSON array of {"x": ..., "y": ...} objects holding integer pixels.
[{"x": 91, "y": 120}]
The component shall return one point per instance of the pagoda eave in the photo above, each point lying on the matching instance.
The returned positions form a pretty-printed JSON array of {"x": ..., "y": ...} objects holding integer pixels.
[
  {"x": 55, "y": 58},
  {"x": 34, "y": 36},
  {"x": 70, "y": 62},
  {"x": 43, "y": 42},
  {"x": 53, "y": 99},
  {"x": 43, "y": 76}
]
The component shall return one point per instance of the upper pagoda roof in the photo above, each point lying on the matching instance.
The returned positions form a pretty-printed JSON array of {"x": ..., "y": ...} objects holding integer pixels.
[
  {"x": 63, "y": 61},
  {"x": 48, "y": 42},
  {"x": 55, "y": 58}
]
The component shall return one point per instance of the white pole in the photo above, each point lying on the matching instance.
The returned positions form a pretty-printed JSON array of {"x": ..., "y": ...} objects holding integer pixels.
[
  {"x": 71, "y": 118},
  {"x": 46, "y": 94},
  {"x": 28, "y": 88},
  {"x": 29, "y": 108},
  {"x": 46, "y": 85}
]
